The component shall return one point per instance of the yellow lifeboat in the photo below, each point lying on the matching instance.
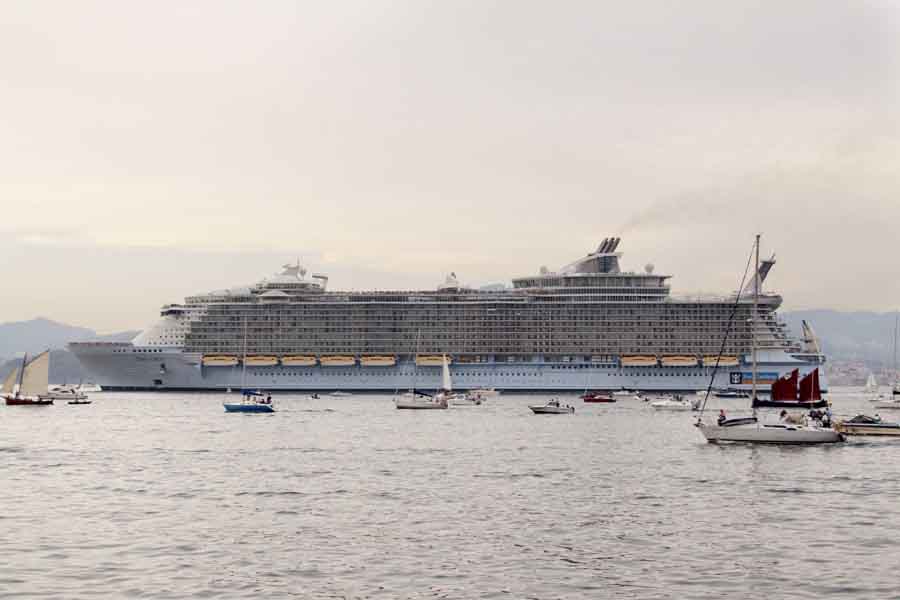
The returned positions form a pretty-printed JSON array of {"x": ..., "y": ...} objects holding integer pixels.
[
  {"x": 639, "y": 360},
  {"x": 378, "y": 361},
  {"x": 679, "y": 361},
  {"x": 431, "y": 360},
  {"x": 337, "y": 361},
  {"x": 724, "y": 361},
  {"x": 219, "y": 360},
  {"x": 299, "y": 361},
  {"x": 261, "y": 361}
]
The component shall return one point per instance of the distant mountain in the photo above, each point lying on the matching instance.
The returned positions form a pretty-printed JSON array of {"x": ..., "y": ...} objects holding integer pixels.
[
  {"x": 41, "y": 334},
  {"x": 866, "y": 337}
]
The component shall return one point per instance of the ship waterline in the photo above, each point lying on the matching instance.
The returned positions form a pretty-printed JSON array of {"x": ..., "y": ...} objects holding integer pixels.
[{"x": 589, "y": 324}]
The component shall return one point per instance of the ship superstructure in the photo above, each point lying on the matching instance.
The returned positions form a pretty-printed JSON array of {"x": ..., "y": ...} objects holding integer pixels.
[{"x": 588, "y": 324}]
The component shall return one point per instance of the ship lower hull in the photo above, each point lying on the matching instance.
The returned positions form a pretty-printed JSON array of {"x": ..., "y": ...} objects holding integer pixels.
[{"x": 122, "y": 367}]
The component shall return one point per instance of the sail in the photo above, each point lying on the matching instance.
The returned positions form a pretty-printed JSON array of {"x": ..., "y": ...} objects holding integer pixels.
[
  {"x": 447, "y": 385},
  {"x": 809, "y": 387},
  {"x": 871, "y": 383},
  {"x": 10, "y": 382},
  {"x": 785, "y": 389},
  {"x": 36, "y": 376}
]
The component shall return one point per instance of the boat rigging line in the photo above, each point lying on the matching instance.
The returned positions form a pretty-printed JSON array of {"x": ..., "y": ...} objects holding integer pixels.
[{"x": 734, "y": 309}]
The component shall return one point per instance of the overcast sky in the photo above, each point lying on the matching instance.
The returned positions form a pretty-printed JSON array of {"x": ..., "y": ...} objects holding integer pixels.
[{"x": 153, "y": 150}]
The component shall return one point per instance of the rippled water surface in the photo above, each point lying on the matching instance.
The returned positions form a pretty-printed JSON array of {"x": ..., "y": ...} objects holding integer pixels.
[{"x": 166, "y": 496}]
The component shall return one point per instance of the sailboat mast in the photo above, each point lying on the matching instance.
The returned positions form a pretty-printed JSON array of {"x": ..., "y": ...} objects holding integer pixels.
[
  {"x": 21, "y": 376},
  {"x": 753, "y": 316},
  {"x": 244, "y": 359}
]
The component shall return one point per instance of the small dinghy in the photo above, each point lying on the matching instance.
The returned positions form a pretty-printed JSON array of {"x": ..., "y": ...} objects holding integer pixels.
[
  {"x": 866, "y": 425},
  {"x": 553, "y": 408},
  {"x": 80, "y": 401}
]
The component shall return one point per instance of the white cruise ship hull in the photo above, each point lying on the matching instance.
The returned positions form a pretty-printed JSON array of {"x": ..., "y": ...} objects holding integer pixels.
[{"x": 123, "y": 366}]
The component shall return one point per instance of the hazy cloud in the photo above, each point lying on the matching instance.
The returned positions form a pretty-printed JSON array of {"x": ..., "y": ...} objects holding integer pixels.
[{"x": 394, "y": 142}]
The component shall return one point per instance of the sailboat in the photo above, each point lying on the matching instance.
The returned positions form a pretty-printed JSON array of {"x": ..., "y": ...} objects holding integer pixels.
[
  {"x": 787, "y": 393},
  {"x": 871, "y": 384},
  {"x": 252, "y": 401},
  {"x": 24, "y": 385},
  {"x": 415, "y": 400},
  {"x": 594, "y": 396},
  {"x": 751, "y": 429}
]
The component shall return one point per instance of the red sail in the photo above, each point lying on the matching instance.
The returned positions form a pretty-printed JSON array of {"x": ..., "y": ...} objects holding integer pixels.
[
  {"x": 809, "y": 387},
  {"x": 785, "y": 389}
]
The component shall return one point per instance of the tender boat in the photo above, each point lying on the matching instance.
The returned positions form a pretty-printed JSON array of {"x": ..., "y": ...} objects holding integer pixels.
[
  {"x": 675, "y": 403},
  {"x": 753, "y": 430},
  {"x": 252, "y": 402},
  {"x": 553, "y": 408},
  {"x": 866, "y": 425},
  {"x": 24, "y": 385},
  {"x": 597, "y": 397}
]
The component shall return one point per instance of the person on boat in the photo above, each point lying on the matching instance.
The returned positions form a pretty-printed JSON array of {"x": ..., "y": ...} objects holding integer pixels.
[
  {"x": 722, "y": 418},
  {"x": 783, "y": 416},
  {"x": 826, "y": 417}
]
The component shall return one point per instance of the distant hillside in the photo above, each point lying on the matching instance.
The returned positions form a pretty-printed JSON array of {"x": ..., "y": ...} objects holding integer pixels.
[
  {"x": 850, "y": 336},
  {"x": 38, "y": 335}
]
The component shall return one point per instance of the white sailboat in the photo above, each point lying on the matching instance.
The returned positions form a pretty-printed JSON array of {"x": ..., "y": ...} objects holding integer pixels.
[
  {"x": 871, "y": 384},
  {"x": 753, "y": 430},
  {"x": 24, "y": 385},
  {"x": 415, "y": 400}
]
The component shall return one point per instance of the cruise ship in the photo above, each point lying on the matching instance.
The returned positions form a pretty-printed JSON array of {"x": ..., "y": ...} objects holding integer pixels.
[{"x": 587, "y": 325}]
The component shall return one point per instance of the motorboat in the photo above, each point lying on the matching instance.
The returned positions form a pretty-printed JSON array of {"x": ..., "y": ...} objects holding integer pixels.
[
  {"x": 889, "y": 403},
  {"x": 597, "y": 397},
  {"x": 623, "y": 393},
  {"x": 866, "y": 425},
  {"x": 553, "y": 407},
  {"x": 339, "y": 394},
  {"x": 69, "y": 393},
  {"x": 729, "y": 394},
  {"x": 485, "y": 393},
  {"x": 251, "y": 402},
  {"x": 468, "y": 399},
  {"x": 787, "y": 430},
  {"x": 23, "y": 386},
  {"x": 675, "y": 403}
]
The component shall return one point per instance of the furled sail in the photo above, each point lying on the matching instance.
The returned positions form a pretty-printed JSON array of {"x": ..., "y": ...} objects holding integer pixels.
[
  {"x": 10, "y": 382},
  {"x": 809, "y": 387},
  {"x": 36, "y": 376},
  {"x": 447, "y": 385},
  {"x": 785, "y": 389}
]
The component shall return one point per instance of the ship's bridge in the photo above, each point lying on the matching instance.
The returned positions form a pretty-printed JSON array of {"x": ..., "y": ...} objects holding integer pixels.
[
  {"x": 292, "y": 280},
  {"x": 599, "y": 269}
]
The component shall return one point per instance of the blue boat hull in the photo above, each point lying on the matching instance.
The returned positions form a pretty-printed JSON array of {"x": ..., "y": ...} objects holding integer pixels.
[{"x": 249, "y": 408}]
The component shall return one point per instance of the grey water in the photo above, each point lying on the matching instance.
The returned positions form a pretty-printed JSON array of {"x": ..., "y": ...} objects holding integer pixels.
[{"x": 166, "y": 496}]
